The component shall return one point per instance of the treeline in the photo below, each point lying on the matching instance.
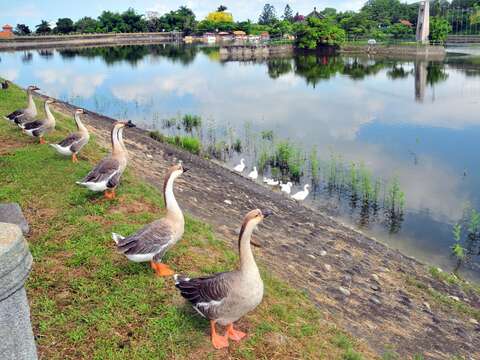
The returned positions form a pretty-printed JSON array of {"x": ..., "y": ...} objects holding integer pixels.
[{"x": 378, "y": 19}]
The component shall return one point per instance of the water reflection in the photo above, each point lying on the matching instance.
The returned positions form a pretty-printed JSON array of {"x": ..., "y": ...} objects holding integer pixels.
[{"x": 416, "y": 120}]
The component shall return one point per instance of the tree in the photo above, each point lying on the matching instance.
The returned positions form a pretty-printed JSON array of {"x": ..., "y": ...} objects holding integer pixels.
[
  {"x": 220, "y": 16},
  {"x": 268, "y": 15},
  {"x": 64, "y": 26},
  {"x": 110, "y": 22},
  {"x": 319, "y": 32},
  {"x": 400, "y": 31},
  {"x": 22, "y": 29},
  {"x": 43, "y": 28},
  {"x": 439, "y": 29},
  {"x": 86, "y": 25},
  {"x": 221, "y": 8},
  {"x": 133, "y": 22},
  {"x": 288, "y": 13}
]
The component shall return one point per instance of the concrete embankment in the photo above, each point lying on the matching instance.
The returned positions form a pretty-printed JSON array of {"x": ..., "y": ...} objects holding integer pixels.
[
  {"x": 396, "y": 51},
  {"x": 374, "y": 292},
  {"x": 246, "y": 52},
  {"x": 38, "y": 42}
]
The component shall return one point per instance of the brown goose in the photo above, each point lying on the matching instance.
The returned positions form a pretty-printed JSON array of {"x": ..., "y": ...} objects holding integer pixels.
[
  {"x": 74, "y": 142},
  {"x": 29, "y": 113},
  {"x": 226, "y": 297},
  {"x": 38, "y": 128},
  {"x": 106, "y": 175},
  {"x": 152, "y": 241}
]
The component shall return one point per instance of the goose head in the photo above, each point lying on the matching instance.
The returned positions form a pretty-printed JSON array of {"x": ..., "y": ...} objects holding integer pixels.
[
  {"x": 174, "y": 172},
  {"x": 252, "y": 219},
  {"x": 305, "y": 188},
  {"x": 33, "y": 88},
  {"x": 255, "y": 169},
  {"x": 289, "y": 184},
  {"x": 49, "y": 101},
  {"x": 123, "y": 124},
  {"x": 242, "y": 161},
  {"x": 79, "y": 111}
]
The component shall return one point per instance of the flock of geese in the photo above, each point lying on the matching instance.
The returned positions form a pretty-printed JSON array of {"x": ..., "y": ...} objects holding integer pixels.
[
  {"x": 286, "y": 188},
  {"x": 222, "y": 298}
]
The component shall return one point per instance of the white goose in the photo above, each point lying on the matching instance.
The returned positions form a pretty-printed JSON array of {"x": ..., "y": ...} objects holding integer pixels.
[
  {"x": 301, "y": 195},
  {"x": 73, "y": 143},
  {"x": 225, "y": 297},
  {"x": 272, "y": 182},
  {"x": 38, "y": 128},
  {"x": 286, "y": 188},
  {"x": 152, "y": 241},
  {"x": 253, "y": 174},
  {"x": 240, "y": 167},
  {"x": 27, "y": 114}
]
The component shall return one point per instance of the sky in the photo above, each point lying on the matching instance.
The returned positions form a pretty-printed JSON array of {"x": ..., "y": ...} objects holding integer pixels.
[{"x": 30, "y": 12}]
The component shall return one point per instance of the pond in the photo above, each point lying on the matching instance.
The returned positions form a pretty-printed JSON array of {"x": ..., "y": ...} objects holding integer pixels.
[{"x": 388, "y": 146}]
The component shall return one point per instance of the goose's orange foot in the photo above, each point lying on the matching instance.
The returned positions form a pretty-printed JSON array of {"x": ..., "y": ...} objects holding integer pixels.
[
  {"x": 218, "y": 341},
  {"x": 161, "y": 269},
  {"x": 233, "y": 334},
  {"x": 74, "y": 158},
  {"x": 109, "y": 194},
  {"x": 42, "y": 140}
]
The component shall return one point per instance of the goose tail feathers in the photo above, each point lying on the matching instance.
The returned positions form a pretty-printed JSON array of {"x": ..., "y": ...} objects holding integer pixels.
[{"x": 117, "y": 237}]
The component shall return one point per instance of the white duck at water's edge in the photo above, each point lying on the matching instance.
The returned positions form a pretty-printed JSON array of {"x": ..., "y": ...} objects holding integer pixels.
[
  {"x": 74, "y": 142},
  {"x": 38, "y": 128},
  {"x": 272, "y": 182},
  {"x": 152, "y": 241},
  {"x": 226, "y": 297},
  {"x": 240, "y": 167},
  {"x": 27, "y": 114},
  {"x": 106, "y": 175},
  {"x": 286, "y": 188},
  {"x": 253, "y": 174},
  {"x": 301, "y": 195}
]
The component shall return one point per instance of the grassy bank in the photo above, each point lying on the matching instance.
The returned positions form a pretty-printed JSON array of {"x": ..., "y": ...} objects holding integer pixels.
[{"x": 87, "y": 301}]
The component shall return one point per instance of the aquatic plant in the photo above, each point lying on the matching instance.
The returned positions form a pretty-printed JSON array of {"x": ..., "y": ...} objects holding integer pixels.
[
  {"x": 264, "y": 159},
  {"x": 314, "y": 166},
  {"x": 353, "y": 180},
  {"x": 474, "y": 222},
  {"x": 395, "y": 200},
  {"x": 237, "y": 146},
  {"x": 169, "y": 123},
  {"x": 366, "y": 187},
  {"x": 289, "y": 159},
  {"x": 267, "y": 135},
  {"x": 191, "y": 122},
  {"x": 189, "y": 143}
]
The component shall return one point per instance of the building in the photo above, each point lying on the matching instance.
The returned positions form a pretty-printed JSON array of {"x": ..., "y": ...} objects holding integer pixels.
[
  {"x": 7, "y": 31},
  {"x": 406, "y": 23},
  {"x": 315, "y": 14}
]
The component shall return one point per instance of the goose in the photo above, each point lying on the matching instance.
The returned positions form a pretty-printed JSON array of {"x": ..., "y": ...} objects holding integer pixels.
[
  {"x": 266, "y": 179},
  {"x": 286, "y": 188},
  {"x": 38, "y": 128},
  {"x": 27, "y": 114},
  {"x": 152, "y": 241},
  {"x": 225, "y": 297},
  {"x": 106, "y": 175},
  {"x": 74, "y": 142},
  {"x": 240, "y": 167},
  {"x": 272, "y": 182},
  {"x": 5, "y": 85},
  {"x": 301, "y": 195},
  {"x": 253, "y": 174}
]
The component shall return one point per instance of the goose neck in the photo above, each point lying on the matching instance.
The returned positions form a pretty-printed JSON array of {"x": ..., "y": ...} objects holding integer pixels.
[
  {"x": 247, "y": 261},
  {"x": 80, "y": 126},
  {"x": 118, "y": 147},
  {"x": 31, "y": 104},
  {"x": 50, "y": 117},
  {"x": 173, "y": 209}
]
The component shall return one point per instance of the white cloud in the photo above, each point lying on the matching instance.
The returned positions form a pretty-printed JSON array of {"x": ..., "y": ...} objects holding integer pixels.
[
  {"x": 9, "y": 73},
  {"x": 54, "y": 81}
]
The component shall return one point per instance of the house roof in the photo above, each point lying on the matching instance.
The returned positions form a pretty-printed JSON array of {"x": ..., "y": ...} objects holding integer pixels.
[
  {"x": 406, "y": 22},
  {"x": 239, "y": 32},
  {"x": 315, "y": 13},
  {"x": 7, "y": 26}
]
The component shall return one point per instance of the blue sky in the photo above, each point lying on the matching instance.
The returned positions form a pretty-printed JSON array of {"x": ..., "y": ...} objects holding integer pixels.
[{"x": 31, "y": 12}]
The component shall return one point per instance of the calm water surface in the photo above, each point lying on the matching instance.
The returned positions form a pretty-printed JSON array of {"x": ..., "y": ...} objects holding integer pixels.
[{"x": 418, "y": 121}]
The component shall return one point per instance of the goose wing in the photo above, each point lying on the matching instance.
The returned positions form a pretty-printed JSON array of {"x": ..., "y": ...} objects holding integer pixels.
[
  {"x": 107, "y": 170},
  {"x": 32, "y": 125},
  {"x": 17, "y": 113},
  {"x": 153, "y": 238},
  {"x": 206, "y": 293},
  {"x": 70, "y": 139}
]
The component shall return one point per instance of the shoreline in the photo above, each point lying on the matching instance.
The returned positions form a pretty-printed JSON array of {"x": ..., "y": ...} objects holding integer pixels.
[
  {"x": 41, "y": 42},
  {"x": 361, "y": 282}
]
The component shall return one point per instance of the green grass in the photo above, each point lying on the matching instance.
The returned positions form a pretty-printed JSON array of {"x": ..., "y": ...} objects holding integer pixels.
[
  {"x": 87, "y": 301},
  {"x": 189, "y": 143}
]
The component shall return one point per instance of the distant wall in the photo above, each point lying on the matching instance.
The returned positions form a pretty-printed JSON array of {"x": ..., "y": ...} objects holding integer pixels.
[
  {"x": 29, "y": 42},
  {"x": 407, "y": 51}
]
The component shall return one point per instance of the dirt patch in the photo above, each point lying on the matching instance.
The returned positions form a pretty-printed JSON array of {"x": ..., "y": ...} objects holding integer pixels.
[
  {"x": 8, "y": 146},
  {"x": 133, "y": 207}
]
